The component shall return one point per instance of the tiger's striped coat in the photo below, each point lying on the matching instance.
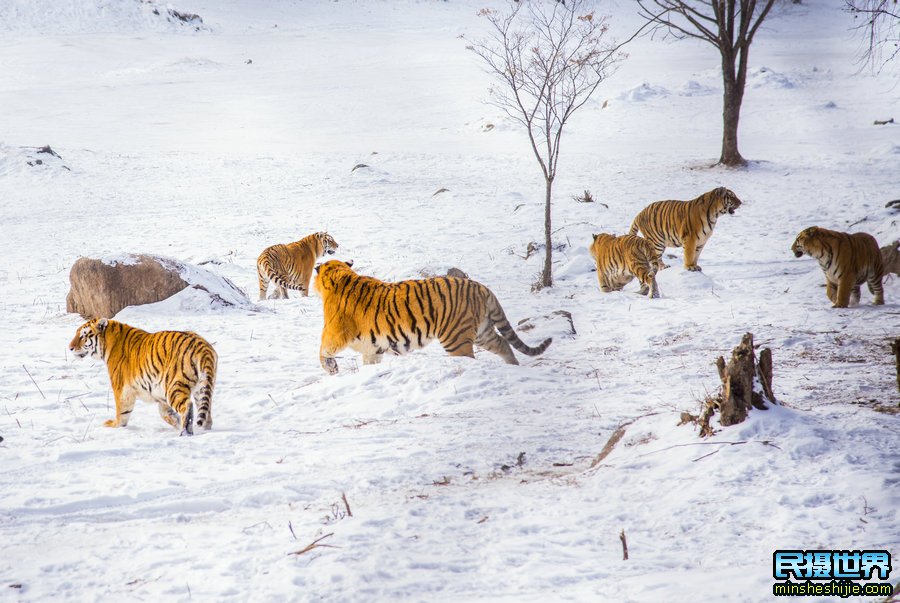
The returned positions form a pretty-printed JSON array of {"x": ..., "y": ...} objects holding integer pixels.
[
  {"x": 373, "y": 317},
  {"x": 168, "y": 368}
]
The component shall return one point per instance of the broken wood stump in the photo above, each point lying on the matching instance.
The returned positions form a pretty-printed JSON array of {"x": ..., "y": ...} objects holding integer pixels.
[{"x": 746, "y": 384}]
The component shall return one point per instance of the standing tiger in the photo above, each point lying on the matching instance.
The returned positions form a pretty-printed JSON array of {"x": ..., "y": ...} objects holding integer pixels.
[
  {"x": 373, "y": 317},
  {"x": 687, "y": 224},
  {"x": 168, "y": 368},
  {"x": 847, "y": 260},
  {"x": 290, "y": 266},
  {"x": 620, "y": 259}
]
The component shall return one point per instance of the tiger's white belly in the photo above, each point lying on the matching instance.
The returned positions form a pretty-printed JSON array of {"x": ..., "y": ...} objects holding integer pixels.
[
  {"x": 150, "y": 390},
  {"x": 385, "y": 345}
]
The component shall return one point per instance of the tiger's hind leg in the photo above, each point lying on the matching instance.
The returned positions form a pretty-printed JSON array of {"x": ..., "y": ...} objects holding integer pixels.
[
  {"x": 179, "y": 398},
  {"x": 660, "y": 264},
  {"x": 855, "y": 295},
  {"x": 168, "y": 415},
  {"x": 460, "y": 341},
  {"x": 263, "y": 282},
  {"x": 372, "y": 358},
  {"x": 491, "y": 341},
  {"x": 876, "y": 288},
  {"x": 649, "y": 287},
  {"x": 280, "y": 292}
]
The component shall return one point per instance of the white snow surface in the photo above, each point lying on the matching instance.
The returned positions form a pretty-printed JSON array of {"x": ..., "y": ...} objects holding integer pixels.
[{"x": 467, "y": 479}]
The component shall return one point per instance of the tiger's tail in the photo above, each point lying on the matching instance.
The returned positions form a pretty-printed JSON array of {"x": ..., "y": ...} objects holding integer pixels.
[
  {"x": 501, "y": 323},
  {"x": 635, "y": 227},
  {"x": 205, "y": 365},
  {"x": 270, "y": 268}
]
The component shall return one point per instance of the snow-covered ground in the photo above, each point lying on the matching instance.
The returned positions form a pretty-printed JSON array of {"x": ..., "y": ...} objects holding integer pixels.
[{"x": 467, "y": 480}]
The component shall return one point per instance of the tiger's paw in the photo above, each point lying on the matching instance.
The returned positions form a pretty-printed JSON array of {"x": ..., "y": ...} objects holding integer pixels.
[
  {"x": 694, "y": 268},
  {"x": 111, "y": 423},
  {"x": 330, "y": 365}
]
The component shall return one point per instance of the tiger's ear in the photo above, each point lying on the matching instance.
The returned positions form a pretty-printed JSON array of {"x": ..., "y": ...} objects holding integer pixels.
[
  {"x": 595, "y": 236},
  {"x": 317, "y": 268},
  {"x": 102, "y": 324},
  {"x": 349, "y": 263}
]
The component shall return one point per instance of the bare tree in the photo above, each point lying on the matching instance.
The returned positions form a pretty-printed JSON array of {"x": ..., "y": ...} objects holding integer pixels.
[
  {"x": 548, "y": 59},
  {"x": 880, "y": 23},
  {"x": 730, "y": 26}
]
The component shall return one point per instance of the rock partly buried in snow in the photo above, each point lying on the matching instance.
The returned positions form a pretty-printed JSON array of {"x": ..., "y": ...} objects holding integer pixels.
[
  {"x": 556, "y": 324},
  {"x": 456, "y": 272},
  {"x": 102, "y": 287}
]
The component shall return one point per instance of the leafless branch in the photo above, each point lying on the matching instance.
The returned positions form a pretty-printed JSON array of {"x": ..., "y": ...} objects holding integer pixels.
[{"x": 879, "y": 25}]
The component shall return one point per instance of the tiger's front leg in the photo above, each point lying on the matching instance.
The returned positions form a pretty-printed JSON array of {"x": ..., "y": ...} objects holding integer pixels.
[
  {"x": 327, "y": 352},
  {"x": 690, "y": 254},
  {"x": 605, "y": 285},
  {"x": 855, "y": 295},
  {"x": 844, "y": 288},
  {"x": 124, "y": 405}
]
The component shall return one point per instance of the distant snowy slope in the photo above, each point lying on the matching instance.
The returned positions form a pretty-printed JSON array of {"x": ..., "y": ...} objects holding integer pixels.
[{"x": 55, "y": 17}]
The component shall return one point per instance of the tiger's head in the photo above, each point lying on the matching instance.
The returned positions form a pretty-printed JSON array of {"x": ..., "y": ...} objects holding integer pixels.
[
  {"x": 89, "y": 338},
  {"x": 726, "y": 200},
  {"x": 328, "y": 272},
  {"x": 329, "y": 245},
  {"x": 809, "y": 241}
]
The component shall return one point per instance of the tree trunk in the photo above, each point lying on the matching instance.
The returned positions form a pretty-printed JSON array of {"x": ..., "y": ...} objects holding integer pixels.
[
  {"x": 547, "y": 272},
  {"x": 731, "y": 112}
]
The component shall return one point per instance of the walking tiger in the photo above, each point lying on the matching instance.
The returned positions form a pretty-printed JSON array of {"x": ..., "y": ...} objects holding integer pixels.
[{"x": 373, "y": 317}]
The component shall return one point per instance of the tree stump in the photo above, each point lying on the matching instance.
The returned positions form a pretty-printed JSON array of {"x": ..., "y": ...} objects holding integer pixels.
[{"x": 746, "y": 384}]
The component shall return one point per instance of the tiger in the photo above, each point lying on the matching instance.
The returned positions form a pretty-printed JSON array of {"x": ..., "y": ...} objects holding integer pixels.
[
  {"x": 890, "y": 258},
  {"x": 290, "y": 266},
  {"x": 168, "y": 367},
  {"x": 847, "y": 261},
  {"x": 687, "y": 224},
  {"x": 620, "y": 259},
  {"x": 373, "y": 317}
]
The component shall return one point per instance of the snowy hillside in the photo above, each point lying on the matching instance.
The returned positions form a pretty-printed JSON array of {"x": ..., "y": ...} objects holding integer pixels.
[{"x": 428, "y": 477}]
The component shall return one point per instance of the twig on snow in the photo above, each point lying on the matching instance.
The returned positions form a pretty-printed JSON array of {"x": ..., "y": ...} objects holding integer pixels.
[
  {"x": 315, "y": 544},
  {"x": 624, "y": 545},
  {"x": 35, "y": 382},
  {"x": 346, "y": 504}
]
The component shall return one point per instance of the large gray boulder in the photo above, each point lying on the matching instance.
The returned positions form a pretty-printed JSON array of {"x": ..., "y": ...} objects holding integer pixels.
[{"x": 100, "y": 288}]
